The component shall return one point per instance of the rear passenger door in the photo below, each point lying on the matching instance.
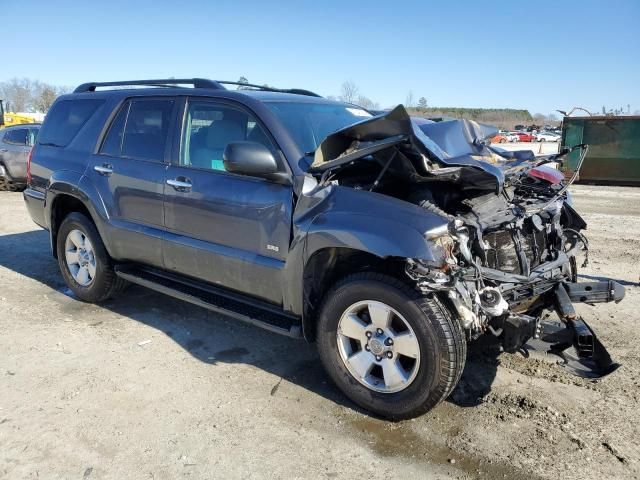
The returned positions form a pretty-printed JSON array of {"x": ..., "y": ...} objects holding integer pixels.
[
  {"x": 227, "y": 229},
  {"x": 129, "y": 172}
]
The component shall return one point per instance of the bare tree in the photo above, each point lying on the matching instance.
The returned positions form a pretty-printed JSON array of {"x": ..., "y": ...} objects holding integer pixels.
[
  {"x": 409, "y": 101},
  {"x": 350, "y": 92},
  {"x": 242, "y": 80},
  {"x": 539, "y": 118},
  {"x": 422, "y": 102},
  {"x": 43, "y": 96},
  {"x": 366, "y": 102},
  {"x": 17, "y": 93}
]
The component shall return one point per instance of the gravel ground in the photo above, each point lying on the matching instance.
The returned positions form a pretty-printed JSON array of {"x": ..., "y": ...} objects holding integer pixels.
[{"x": 149, "y": 387}]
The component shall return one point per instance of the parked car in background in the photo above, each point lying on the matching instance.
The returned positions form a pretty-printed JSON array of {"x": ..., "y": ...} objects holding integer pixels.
[
  {"x": 547, "y": 137},
  {"x": 15, "y": 144},
  {"x": 499, "y": 138},
  {"x": 511, "y": 137},
  {"x": 525, "y": 137}
]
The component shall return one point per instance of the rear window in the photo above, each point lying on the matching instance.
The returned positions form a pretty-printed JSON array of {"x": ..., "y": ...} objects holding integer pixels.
[{"x": 65, "y": 120}]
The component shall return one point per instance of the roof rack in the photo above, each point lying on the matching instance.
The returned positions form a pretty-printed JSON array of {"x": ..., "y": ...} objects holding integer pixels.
[
  {"x": 196, "y": 82},
  {"x": 253, "y": 86},
  {"x": 167, "y": 82}
]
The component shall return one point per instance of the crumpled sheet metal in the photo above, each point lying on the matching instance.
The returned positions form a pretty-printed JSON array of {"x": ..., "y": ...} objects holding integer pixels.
[{"x": 455, "y": 143}]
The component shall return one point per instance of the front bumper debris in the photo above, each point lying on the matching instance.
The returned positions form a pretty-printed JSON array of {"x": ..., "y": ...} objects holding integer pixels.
[{"x": 573, "y": 340}]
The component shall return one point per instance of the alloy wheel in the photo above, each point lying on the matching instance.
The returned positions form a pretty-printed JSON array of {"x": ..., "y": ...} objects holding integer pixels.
[
  {"x": 378, "y": 346},
  {"x": 80, "y": 257}
]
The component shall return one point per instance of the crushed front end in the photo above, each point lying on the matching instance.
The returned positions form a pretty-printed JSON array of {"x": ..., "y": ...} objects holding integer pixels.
[
  {"x": 511, "y": 259},
  {"x": 509, "y": 242}
]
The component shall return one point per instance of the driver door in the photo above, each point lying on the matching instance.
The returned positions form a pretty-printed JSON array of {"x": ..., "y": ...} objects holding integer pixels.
[{"x": 227, "y": 229}]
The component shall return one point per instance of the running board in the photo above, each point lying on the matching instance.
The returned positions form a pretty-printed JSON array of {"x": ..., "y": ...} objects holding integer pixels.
[{"x": 252, "y": 311}]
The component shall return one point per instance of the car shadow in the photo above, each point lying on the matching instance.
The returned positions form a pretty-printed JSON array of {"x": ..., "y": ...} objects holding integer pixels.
[
  {"x": 212, "y": 338},
  {"x": 207, "y": 336},
  {"x": 479, "y": 372}
]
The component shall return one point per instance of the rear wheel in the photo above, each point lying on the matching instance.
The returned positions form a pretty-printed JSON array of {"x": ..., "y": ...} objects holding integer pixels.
[
  {"x": 387, "y": 347},
  {"x": 84, "y": 261}
]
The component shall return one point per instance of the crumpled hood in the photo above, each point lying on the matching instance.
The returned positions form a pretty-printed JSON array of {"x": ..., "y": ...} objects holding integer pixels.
[{"x": 434, "y": 147}]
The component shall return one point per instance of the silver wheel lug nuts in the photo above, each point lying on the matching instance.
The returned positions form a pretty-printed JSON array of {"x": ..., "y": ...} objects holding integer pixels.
[
  {"x": 378, "y": 357},
  {"x": 366, "y": 347},
  {"x": 379, "y": 331},
  {"x": 389, "y": 355},
  {"x": 368, "y": 334},
  {"x": 388, "y": 341}
]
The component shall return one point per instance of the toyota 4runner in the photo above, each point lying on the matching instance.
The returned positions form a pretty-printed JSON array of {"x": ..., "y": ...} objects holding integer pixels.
[{"x": 389, "y": 242}]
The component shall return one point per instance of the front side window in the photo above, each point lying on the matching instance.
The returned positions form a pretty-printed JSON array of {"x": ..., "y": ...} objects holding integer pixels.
[
  {"x": 17, "y": 136},
  {"x": 209, "y": 127},
  {"x": 140, "y": 130}
]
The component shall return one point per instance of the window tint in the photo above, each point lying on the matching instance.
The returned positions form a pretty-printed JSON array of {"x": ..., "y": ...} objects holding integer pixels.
[
  {"x": 112, "y": 143},
  {"x": 210, "y": 127},
  {"x": 17, "y": 136},
  {"x": 146, "y": 129},
  {"x": 65, "y": 120}
]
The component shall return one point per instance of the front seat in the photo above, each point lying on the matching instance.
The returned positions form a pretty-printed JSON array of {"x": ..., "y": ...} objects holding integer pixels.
[{"x": 219, "y": 134}]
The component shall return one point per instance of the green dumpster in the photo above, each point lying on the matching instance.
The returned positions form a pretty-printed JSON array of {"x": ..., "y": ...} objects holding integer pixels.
[{"x": 614, "y": 148}]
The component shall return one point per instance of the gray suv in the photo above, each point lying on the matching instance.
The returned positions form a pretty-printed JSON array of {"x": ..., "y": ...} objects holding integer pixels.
[
  {"x": 390, "y": 243},
  {"x": 15, "y": 144}
]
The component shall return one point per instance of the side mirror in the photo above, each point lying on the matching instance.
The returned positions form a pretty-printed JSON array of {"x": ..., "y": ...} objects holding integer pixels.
[{"x": 249, "y": 158}]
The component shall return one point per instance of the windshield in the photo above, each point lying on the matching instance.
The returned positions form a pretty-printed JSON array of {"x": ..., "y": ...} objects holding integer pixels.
[{"x": 310, "y": 123}]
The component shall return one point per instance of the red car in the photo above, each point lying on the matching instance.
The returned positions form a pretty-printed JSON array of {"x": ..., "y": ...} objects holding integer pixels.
[{"x": 525, "y": 137}]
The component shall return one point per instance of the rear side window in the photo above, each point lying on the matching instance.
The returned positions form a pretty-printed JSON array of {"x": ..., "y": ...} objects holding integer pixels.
[
  {"x": 65, "y": 120},
  {"x": 112, "y": 144},
  {"x": 17, "y": 136},
  {"x": 140, "y": 130}
]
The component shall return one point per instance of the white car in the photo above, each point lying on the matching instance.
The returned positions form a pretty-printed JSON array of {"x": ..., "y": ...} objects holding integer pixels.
[
  {"x": 511, "y": 137},
  {"x": 547, "y": 137}
]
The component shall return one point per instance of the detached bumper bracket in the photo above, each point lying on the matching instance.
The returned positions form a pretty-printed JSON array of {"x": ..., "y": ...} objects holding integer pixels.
[
  {"x": 595, "y": 292},
  {"x": 590, "y": 352}
]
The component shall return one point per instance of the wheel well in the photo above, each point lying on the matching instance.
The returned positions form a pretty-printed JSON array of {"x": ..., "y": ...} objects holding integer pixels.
[
  {"x": 328, "y": 266},
  {"x": 64, "y": 205}
]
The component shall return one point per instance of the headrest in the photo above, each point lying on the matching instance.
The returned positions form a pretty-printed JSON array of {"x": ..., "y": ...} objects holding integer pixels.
[{"x": 222, "y": 132}]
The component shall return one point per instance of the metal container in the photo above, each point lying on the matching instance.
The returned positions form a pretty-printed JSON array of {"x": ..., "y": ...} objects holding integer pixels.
[{"x": 614, "y": 148}]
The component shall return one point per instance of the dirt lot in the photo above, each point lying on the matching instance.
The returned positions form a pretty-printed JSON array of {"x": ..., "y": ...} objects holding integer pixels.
[{"x": 149, "y": 387}]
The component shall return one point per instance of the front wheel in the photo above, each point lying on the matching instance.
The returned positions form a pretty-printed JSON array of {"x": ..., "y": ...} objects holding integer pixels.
[{"x": 390, "y": 349}]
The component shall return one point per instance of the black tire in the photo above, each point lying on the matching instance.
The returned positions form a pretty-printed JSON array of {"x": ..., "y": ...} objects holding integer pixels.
[
  {"x": 105, "y": 283},
  {"x": 440, "y": 336}
]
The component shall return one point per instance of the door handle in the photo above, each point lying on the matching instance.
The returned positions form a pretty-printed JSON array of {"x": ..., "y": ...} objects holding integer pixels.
[
  {"x": 105, "y": 169},
  {"x": 180, "y": 184}
]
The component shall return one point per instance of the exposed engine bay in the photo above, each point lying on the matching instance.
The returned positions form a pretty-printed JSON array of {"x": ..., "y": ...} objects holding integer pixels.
[{"x": 508, "y": 247}]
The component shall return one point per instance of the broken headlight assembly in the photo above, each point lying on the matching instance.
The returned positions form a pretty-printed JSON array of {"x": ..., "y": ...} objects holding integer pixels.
[{"x": 437, "y": 274}]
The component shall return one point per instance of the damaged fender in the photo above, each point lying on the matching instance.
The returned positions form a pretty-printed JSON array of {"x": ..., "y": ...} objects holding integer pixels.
[{"x": 341, "y": 217}]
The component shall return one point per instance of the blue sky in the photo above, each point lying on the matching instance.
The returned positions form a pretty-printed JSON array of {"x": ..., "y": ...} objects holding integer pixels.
[{"x": 540, "y": 55}]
